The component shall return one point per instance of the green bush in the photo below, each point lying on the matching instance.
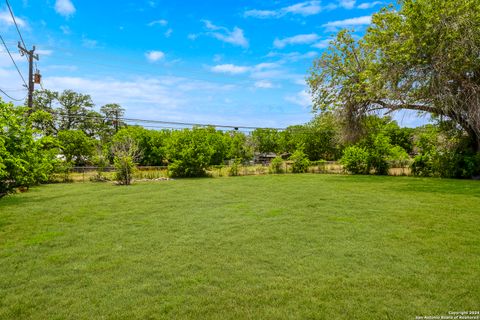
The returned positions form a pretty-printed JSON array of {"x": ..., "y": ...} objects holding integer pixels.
[
  {"x": 422, "y": 165},
  {"x": 398, "y": 157},
  {"x": 125, "y": 152},
  {"x": 276, "y": 165},
  {"x": 300, "y": 162},
  {"x": 25, "y": 159},
  {"x": 355, "y": 160},
  {"x": 234, "y": 168},
  {"x": 378, "y": 154},
  {"x": 446, "y": 164},
  {"x": 124, "y": 169}
]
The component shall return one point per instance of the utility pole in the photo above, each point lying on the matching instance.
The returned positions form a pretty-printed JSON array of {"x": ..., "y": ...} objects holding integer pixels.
[{"x": 31, "y": 55}]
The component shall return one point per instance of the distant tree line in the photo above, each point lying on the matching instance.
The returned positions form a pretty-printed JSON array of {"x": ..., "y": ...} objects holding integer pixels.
[
  {"x": 421, "y": 55},
  {"x": 64, "y": 131}
]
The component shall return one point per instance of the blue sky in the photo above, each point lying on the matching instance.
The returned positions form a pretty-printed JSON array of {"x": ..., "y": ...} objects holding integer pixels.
[{"x": 224, "y": 62}]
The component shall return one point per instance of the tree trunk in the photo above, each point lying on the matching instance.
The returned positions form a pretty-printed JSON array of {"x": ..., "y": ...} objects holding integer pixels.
[{"x": 474, "y": 139}]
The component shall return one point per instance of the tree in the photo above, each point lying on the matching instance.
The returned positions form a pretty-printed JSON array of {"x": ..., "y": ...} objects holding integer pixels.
[
  {"x": 189, "y": 152},
  {"x": 266, "y": 140},
  {"x": 74, "y": 107},
  {"x": 151, "y": 144},
  {"x": 112, "y": 114},
  {"x": 76, "y": 146},
  {"x": 24, "y": 159},
  {"x": 422, "y": 55},
  {"x": 68, "y": 110},
  {"x": 240, "y": 147}
]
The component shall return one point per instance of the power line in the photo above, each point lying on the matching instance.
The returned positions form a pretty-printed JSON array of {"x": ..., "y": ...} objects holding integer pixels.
[
  {"x": 163, "y": 123},
  {"x": 15, "y": 22},
  {"x": 6, "y": 94},
  {"x": 159, "y": 124},
  {"x": 28, "y": 56},
  {"x": 171, "y": 123},
  {"x": 13, "y": 60}
]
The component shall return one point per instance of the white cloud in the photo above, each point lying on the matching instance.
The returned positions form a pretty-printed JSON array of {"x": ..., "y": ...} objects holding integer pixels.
[
  {"x": 210, "y": 26},
  {"x": 6, "y": 19},
  {"x": 89, "y": 43},
  {"x": 230, "y": 68},
  {"x": 64, "y": 7},
  {"x": 298, "y": 39},
  {"x": 359, "y": 21},
  {"x": 235, "y": 36},
  {"x": 262, "y": 14},
  {"x": 306, "y": 8},
  {"x": 368, "y": 5},
  {"x": 44, "y": 52},
  {"x": 292, "y": 56},
  {"x": 322, "y": 44},
  {"x": 161, "y": 22},
  {"x": 168, "y": 33},
  {"x": 347, "y": 4},
  {"x": 302, "y": 99},
  {"x": 266, "y": 70},
  {"x": 164, "y": 97},
  {"x": 264, "y": 84},
  {"x": 154, "y": 56},
  {"x": 65, "y": 29},
  {"x": 5, "y": 61},
  {"x": 192, "y": 36}
]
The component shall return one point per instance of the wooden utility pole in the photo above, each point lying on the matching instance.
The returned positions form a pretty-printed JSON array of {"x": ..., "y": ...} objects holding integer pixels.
[{"x": 31, "y": 55}]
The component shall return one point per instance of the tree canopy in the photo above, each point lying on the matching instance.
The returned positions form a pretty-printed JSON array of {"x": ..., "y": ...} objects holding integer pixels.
[{"x": 421, "y": 55}]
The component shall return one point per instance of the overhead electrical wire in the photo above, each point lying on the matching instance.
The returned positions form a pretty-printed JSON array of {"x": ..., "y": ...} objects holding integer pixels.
[
  {"x": 15, "y": 22},
  {"x": 163, "y": 123},
  {"x": 13, "y": 60},
  {"x": 19, "y": 33},
  {"x": 10, "y": 97},
  {"x": 160, "y": 124}
]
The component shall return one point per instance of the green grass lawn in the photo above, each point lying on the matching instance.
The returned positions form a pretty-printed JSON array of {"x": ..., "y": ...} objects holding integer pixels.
[{"x": 261, "y": 247}]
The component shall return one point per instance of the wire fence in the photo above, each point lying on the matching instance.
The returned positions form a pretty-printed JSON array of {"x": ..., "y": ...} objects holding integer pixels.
[{"x": 91, "y": 173}]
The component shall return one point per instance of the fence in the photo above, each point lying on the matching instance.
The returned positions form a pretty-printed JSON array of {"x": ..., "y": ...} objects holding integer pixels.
[{"x": 84, "y": 174}]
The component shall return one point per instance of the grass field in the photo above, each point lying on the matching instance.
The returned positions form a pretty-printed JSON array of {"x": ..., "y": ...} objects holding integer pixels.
[{"x": 259, "y": 247}]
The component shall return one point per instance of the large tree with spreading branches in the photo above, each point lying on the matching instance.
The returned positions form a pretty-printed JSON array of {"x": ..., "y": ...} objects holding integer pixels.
[{"x": 421, "y": 55}]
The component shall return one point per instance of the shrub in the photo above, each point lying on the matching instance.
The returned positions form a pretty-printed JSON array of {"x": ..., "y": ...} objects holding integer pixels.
[
  {"x": 300, "y": 162},
  {"x": 125, "y": 152},
  {"x": 190, "y": 153},
  {"x": 25, "y": 159},
  {"x": 234, "y": 168},
  {"x": 124, "y": 169},
  {"x": 378, "y": 154},
  {"x": 276, "y": 165},
  {"x": 355, "y": 160},
  {"x": 398, "y": 157},
  {"x": 446, "y": 164},
  {"x": 422, "y": 165}
]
